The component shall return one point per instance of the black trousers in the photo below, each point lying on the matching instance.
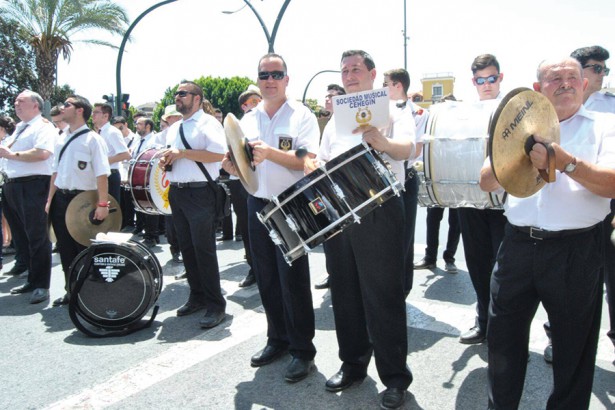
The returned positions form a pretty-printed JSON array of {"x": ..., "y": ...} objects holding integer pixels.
[
  {"x": 114, "y": 183},
  {"x": 285, "y": 290},
  {"x": 171, "y": 234},
  {"x": 410, "y": 197},
  {"x": 68, "y": 248},
  {"x": 434, "y": 217},
  {"x": 194, "y": 219},
  {"x": 239, "y": 200},
  {"x": 24, "y": 208},
  {"x": 565, "y": 275},
  {"x": 609, "y": 270},
  {"x": 128, "y": 207},
  {"x": 366, "y": 277},
  {"x": 482, "y": 231}
]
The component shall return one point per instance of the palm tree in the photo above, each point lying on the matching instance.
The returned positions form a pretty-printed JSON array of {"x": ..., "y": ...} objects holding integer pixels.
[{"x": 49, "y": 26}]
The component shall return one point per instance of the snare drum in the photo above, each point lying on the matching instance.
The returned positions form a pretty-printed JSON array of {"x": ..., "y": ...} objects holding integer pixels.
[
  {"x": 148, "y": 184},
  {"x": 328, "y": 200},
  {"x": 454, "y": 151},
  {"x": 122, "y": 283}
]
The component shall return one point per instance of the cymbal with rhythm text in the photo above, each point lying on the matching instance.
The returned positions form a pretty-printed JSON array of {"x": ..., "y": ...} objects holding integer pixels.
[{"x": 522, "y": 114}]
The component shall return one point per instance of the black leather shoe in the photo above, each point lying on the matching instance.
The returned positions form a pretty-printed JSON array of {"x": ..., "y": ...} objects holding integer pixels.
[
  {"x": 39, "y": 295},
  {"x": 61, "y": 301},
  {"x": 182, "y": 275},
  {"x": 341, "y": 381},
  {"x": 267, "y": 355},
  {"x": 189, "y": 308},
  {"x": 15, "y": 270},
  {"x": 298, "y": 369},
  {"x": 473, "y": 336},
  {"x": 211, "y": 319},
  {"x": 149, "y": 243},
  {"x": 177, "y": 258},
  {"x": 249, "y": 280},
  {"x": 25, "y": 288},
  {"x": 548, "y": 354},
  {"x": 425, "y": 264},
  {"x": 323, "y": 285},
  {"x": 393, "y": 398}
]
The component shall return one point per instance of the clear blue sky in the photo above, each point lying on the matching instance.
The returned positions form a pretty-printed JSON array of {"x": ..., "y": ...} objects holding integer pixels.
[{"x": 190, "y": 38}]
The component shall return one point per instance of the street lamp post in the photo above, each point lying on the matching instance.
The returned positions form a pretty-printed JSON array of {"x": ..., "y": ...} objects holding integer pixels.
[
  {"x": 313, "y": 77},
  {"x": 405, "y": 40},
  {"x": 276, "y": 25},
  {"x": 118, "y": 69}
]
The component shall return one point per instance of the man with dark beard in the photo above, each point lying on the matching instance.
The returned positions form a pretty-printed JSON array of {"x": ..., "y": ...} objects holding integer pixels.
[{"x": 197, "y": 138}]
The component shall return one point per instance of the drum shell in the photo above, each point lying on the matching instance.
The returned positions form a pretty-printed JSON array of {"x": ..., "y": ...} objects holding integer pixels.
[
  {"x": 329, "y": 199},
  {"x": 148, "y": 184},
  {"x": 123, "y": 283},
  {"x": 454, "y": 152}
]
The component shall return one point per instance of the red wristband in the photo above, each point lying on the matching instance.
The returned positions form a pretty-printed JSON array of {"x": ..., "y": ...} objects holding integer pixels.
[{"x": 103, "y": 204}]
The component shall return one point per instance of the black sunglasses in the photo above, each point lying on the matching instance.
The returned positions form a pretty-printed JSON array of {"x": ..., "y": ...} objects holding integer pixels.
[
  {"x": 598, "y": 68},
  {"x": 182, "y": 93},
  {"x": 491, "y": 79},
  {"x": 276, "y": 75},
  {"x": 68, "y": 104}
]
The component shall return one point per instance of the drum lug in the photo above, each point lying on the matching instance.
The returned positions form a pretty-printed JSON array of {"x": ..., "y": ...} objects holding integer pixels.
[
  {"x": 338, "y": 191},
  {"x": 275, "y": 238},
  {"x": 291, "y": 223}
]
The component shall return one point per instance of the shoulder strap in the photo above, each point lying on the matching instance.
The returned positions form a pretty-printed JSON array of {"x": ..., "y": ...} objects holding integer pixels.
[
  {"x": 71, "y": 140},
  {"x": 199, "y": 164}
]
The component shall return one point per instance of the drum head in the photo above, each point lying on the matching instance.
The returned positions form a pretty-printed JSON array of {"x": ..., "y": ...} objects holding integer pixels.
[
  {"x": 159, "y": 186},
  {"x": 122, "y": 283}
]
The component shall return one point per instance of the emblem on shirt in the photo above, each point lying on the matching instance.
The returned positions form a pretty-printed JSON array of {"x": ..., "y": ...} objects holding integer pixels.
[
  {"x": 317, "y": 206},
  {"x": 285, "y": 143},
  {"x": 82, "y": 165},
  {"x": 363, "y": 116}
]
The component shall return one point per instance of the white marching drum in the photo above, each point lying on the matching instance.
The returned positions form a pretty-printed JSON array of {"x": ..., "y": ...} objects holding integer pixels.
[{"x": 454, "y": 150}]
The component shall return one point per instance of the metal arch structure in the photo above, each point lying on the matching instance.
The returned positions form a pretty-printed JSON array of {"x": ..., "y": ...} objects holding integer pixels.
[{"x": 313, "y": 77}]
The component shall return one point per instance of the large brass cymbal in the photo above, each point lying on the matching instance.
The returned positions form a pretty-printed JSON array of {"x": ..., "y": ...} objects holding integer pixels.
[
  {"x": 240, "y": 153},
  {"x": 522, "y": 114},
  {"x": 79, "y": 213}
]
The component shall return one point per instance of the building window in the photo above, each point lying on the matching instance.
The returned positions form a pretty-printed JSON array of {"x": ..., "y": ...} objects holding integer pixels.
[{"x": 436, "y": 92}]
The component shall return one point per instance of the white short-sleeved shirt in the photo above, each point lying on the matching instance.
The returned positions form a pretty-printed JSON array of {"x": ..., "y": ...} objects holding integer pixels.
[
  {"x": 601, "y": 102},
  {"x": 39, "y": 134},
  {"x": 115, "y": 142},
  {"x": 142, "y": 144},
  {"x": 291, "y": 127},
  {"x": 202, "y": 132},
  {"x": 566, "y": 204},
  {"x": 83, "y": 160},
  {"x": 401, "y": 126}
]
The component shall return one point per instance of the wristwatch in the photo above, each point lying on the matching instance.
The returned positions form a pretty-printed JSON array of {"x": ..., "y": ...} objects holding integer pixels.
[{"x": 571, "y": 166}]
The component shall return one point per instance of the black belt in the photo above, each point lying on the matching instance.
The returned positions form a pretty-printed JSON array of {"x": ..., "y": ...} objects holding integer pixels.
[
  {"x": 197, "y": 184},
  {"x": 28, "y": 178},
  {"x": 537, "y": 233},
  {"x": 115, "y": 171},
  {"x": 69, "y": 191}
]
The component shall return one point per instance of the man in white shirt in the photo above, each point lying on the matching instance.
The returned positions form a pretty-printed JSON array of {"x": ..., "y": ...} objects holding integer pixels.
[
  {"x": 552, "y": 250},
  {"x": 28, "y": 154},
  {"x": 128, "y": 208},
  {"x": 118, "y": 151},
  {"x": 80, "y": 164},
  {"x": 366, "y": 261},
  {"x": 197, "y": 138},
  {"x": 275, "y": 129},
  {"x": 593, "y": 59}
]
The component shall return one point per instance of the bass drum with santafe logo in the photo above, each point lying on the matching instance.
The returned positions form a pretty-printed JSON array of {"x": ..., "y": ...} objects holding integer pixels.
[{"x": 112, "y": 286}]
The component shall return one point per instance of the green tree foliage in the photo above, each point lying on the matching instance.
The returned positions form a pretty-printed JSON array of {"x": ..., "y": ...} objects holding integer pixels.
[
  {"x": 50, "y": 27},
  {"x": 312, "y": 104},
  {"x": 221, "y": 92},
  {"x": 16, "y": 70}
]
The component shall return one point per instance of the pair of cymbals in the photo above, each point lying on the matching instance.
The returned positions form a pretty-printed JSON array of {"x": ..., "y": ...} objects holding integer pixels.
[
  {"x": 80, "y": 220},
  {"x": 522, "y": 114},
  {"x": 240, "y": 153}
]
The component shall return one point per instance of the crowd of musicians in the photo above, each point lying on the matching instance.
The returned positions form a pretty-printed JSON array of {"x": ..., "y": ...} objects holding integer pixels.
[{"x": 551, "y": 248}]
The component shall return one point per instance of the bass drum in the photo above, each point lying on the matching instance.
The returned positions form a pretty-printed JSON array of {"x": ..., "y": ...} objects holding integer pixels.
[
  {"x": 115, "y": 284},
  {"x": 149, "y": 184},
  {"x": 328, "y": 200},
  {"x": 454, "y": 150}
]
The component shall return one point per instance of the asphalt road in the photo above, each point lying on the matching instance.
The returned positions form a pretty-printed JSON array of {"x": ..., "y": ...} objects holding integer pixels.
[{"x": 48, "y": 364}]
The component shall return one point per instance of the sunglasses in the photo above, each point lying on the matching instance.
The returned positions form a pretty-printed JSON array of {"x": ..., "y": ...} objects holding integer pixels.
[
  {"x": 68, "y": 104},
  {"x": 182, "y": 93},
  {"x": 276, "y": 75},
  {"x": 598, "y": 68},
  {"x": 491, "y": 79}
]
